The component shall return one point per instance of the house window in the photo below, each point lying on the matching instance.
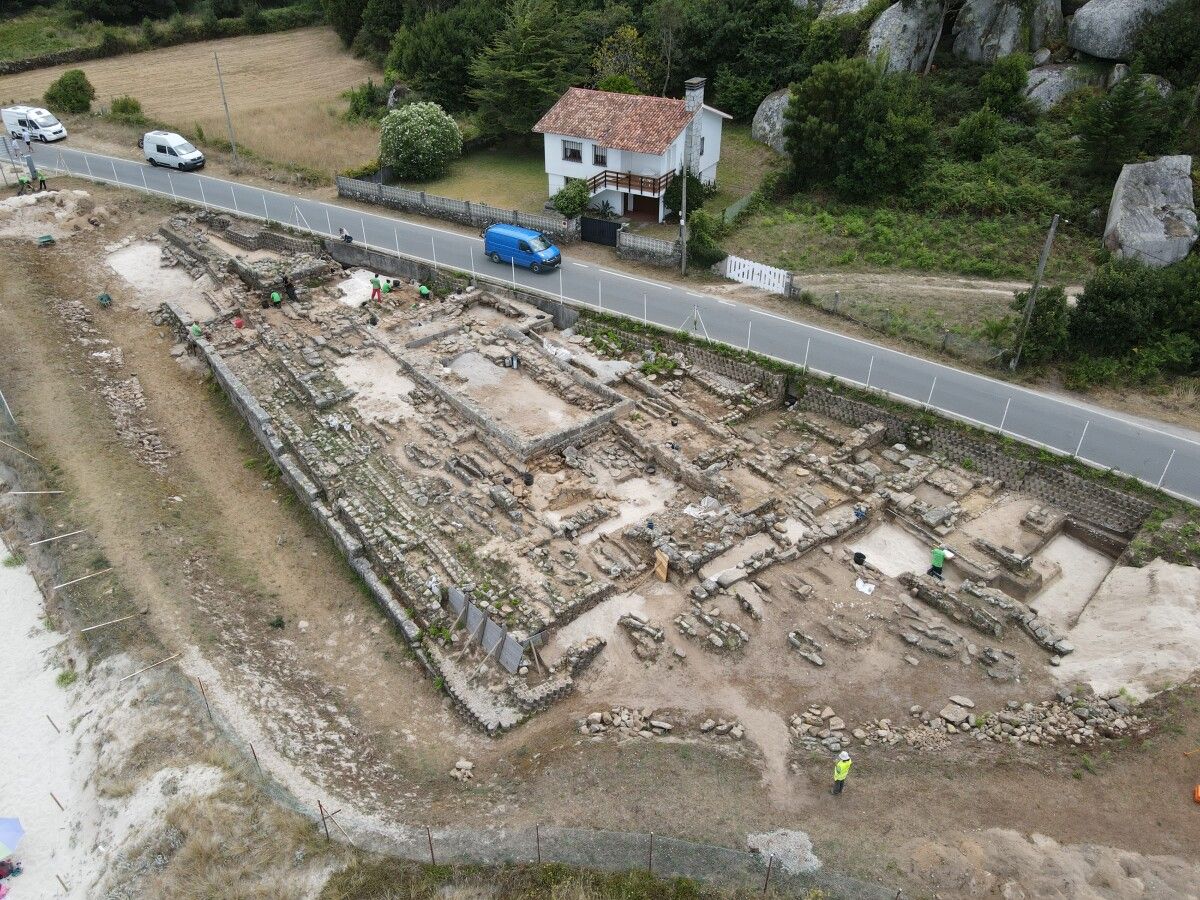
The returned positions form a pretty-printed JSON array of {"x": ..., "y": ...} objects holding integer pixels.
[
  {"x": 573, "y": 151},
  {"x": 701, "y": 145},
  {"x": 599, "y": 155}
]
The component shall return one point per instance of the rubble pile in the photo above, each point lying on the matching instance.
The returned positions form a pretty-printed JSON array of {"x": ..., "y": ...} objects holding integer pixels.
[{"x": 625, "y": 722}]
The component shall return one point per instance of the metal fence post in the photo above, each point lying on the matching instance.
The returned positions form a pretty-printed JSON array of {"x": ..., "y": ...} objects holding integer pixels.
[
  {"x": 650, "y": 869},
  {"x": 537, "y": 836},
  {"x": 429, "y": 837},
  {"x": 767, "y": 881}
]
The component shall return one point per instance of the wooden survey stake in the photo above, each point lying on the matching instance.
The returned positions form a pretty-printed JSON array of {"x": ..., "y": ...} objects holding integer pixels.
[{"x": 660, "y": 565}]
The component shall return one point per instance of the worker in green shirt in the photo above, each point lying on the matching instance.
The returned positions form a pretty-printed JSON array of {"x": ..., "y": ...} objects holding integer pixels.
[
  {"x": 23, "y": 184},
  {"x": 196, "y": 330},
  {"x": 376, "y": 288},
  {"x": 41, "y": 179},
  {"x": 424, "y": 291},
  {"x": 938, "y": 559},
  {"x": 276, "y": 299},
  {"x": 841, "y": 769}
]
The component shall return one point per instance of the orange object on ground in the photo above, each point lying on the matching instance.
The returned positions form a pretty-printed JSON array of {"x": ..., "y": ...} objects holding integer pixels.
[{"x": 1196, "y": 793}]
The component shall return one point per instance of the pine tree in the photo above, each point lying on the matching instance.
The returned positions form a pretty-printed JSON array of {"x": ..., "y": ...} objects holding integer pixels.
[
  {"x": 528, "y": 66},
  {"x": 1113, "y": 128}
]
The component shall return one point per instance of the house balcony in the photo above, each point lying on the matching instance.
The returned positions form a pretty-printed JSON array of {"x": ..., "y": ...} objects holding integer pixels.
[{"x": 627, "y": 182}]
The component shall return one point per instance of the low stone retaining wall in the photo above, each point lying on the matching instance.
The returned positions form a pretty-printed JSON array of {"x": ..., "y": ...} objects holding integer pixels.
[{"x": 1080, "y": 497}]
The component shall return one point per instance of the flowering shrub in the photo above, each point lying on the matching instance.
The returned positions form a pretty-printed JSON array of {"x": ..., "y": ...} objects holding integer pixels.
[{"x": 419, "y": 141}]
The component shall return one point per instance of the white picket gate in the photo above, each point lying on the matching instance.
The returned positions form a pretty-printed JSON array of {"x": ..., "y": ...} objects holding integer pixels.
[{"x": 756, "y": 274}]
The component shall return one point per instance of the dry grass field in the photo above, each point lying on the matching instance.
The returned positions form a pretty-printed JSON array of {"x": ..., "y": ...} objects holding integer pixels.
[{"x": 283, "y": 92}]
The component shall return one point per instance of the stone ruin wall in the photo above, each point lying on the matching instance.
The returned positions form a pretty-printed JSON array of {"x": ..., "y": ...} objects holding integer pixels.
[{"x": 1082, "y": 498}]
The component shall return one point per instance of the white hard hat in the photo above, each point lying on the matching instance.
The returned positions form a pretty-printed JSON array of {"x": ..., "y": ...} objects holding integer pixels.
[{"x": 843, "y": 756}]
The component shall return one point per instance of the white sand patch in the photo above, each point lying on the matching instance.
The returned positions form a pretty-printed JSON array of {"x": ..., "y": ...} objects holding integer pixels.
[
  {"x": 32, "y": 215},
  {"x": 892, "y": 550},
  {"x": 382, "y": 391},
  {"x": 1003, "y": 863},
  {"x": 355, "y": 289},
  {"x": 1141, "y": 631},
  {"x": 637, "y": 498},
  {"x": 1083, "y": 569},
  {"x": 791, "y": 850},
  {"x": 599, "y": 621},
  {"x": 736, "y": 554},
  {"x": 140, "y": 264},
  {"x": 35, "y": 760}
]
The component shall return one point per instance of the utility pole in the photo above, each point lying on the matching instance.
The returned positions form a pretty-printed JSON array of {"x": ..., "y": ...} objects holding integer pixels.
[
  {"x": 228, "y": 119},
  {"x": 1033, "y": 291}
]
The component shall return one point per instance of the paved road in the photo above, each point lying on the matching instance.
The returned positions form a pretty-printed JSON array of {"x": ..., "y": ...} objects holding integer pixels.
[{"x": 1158, "y": 454}]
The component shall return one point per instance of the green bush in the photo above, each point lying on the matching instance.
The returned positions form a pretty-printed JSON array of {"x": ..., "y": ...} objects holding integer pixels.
[
  {"x": 1046, "y": 336},
  {"x": 72, "y": 92},
  {"x": 698, "y": 192},
  {"x": 366, "y": 170},
  {"x": 704, "y": 231},
  {"x": 367, "y": 101},
  {"x": 127, "y": 109},
  {"x": 1167, "y": 44},
  {"x": 853, "y": 125},
  {"x": 419, "y": 141},
  {"x": 573, "y": 199},
  {"x": 739, "y": 95},
  {"x": 617, "y": 84},
  {"x": 1003, "y": 85},
  {"x": 1115, "y": 128},
  {"x": 978, "y": 134}
]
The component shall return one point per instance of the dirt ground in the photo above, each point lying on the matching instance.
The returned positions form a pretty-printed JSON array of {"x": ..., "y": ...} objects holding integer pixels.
[{"x": 217, "y": 551}]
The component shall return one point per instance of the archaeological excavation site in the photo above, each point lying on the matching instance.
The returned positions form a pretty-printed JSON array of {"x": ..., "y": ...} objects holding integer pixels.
[{"x": 613, "y": 578}]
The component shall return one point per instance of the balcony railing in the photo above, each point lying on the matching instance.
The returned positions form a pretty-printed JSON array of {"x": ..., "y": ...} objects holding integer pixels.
[{"x": 652, "y": 185}]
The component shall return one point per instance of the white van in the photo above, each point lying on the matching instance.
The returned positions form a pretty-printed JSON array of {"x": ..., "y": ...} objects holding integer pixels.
[
  {"x": 166, "y": 148},
  {"x": 41, "y": 124}
]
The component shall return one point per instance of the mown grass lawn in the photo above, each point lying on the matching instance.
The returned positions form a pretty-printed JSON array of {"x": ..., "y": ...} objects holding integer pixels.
[
  {"x": 808, "y": 234},
  {"x": 508, "y": 176},
  {"x": 743, "y": 165}
]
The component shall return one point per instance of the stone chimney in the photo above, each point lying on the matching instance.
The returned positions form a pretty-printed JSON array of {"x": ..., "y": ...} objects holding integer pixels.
[{"x": 693, "y": 99}]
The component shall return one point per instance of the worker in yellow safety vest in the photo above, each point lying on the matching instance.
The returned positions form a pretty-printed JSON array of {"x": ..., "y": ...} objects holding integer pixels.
[{"x": 841, "y": 769}]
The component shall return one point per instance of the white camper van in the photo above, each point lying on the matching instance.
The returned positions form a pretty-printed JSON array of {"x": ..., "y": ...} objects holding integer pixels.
[
  {"x": 166, "y": 148},
  {"x": 41, "y": 123}
]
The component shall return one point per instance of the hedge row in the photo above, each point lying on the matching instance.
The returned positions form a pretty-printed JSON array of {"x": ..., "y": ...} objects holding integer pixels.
[{"x": 116, "y": 42}]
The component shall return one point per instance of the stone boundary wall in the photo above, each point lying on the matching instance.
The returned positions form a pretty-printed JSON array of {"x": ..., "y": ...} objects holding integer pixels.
[
  {"x": 477, "y": 215},
  {"x": 654, "y": 251},
  {"x": 1081, "y": 498},
  {"x": 253, "y": 237},
  {"x": 260, "y": 424}
]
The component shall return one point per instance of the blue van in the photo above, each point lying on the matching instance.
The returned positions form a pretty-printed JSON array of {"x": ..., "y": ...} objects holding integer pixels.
[{"x": 521, "y": 246}]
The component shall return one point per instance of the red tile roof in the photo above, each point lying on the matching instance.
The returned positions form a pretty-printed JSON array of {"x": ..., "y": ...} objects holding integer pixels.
[{"x": 620, "y": 121}]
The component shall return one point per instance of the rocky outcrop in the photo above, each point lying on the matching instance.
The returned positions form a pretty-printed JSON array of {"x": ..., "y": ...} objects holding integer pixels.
[
  {"x": 986, "y": 30},
  {"x": 1047, "y": 86},
  {"x": 1106, "y": 28},
  {"x": 767, "y": 127},
  {"x": 904, "y": 33},
  {"x": 1152, "y": 217},
  {"x": 831, "y": 8}
]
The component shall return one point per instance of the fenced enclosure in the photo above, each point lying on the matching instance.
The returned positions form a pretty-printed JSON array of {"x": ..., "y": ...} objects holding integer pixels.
[
  {"x": 479, "y": 215},
  {"x": 730, "y": 213}
]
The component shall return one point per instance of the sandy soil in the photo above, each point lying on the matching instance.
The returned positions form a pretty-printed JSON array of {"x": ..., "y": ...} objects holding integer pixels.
[
  {"x": 382, "y": 390},
  {"x": 892, "y": 550},
  {"x": 1079, "y": 570},
  {"x": 139, "y": 264},
  {"x": 1141, "y": 630},
  {"x": 513, "y": 399}
]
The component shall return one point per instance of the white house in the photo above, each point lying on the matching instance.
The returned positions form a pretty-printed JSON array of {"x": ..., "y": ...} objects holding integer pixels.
[{"x": 628, "y": 147}]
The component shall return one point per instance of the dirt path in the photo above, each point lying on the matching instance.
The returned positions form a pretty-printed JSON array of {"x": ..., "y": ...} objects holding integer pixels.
[{"x": 341, "y": 701}]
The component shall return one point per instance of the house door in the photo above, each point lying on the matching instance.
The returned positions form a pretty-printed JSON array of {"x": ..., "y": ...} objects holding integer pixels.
[
  {"x": 643, "y": 207},
  {"x": 598, "y": 231}
]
